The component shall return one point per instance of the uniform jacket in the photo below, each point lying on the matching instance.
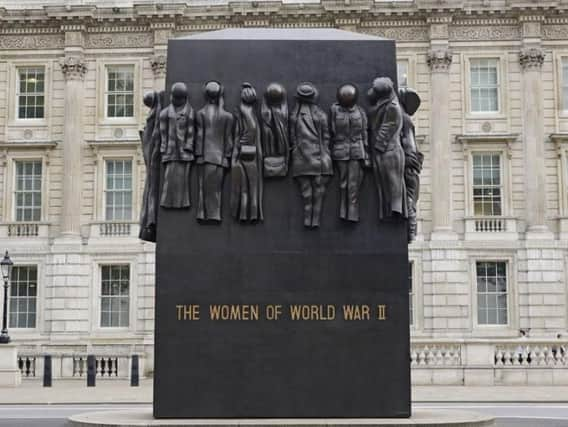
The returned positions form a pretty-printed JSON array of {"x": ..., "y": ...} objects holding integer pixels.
[
  {"x": 348, "y": 133},
  {"x": 177, "y": 134},
  {"x": 214, "y": 142},
  {"x": 386, "y": 124},
  {"x": 309, "y": 140}
]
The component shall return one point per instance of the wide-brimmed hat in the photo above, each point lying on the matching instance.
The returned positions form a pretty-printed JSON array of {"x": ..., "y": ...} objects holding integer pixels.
[{"x": 306, "y": 91}]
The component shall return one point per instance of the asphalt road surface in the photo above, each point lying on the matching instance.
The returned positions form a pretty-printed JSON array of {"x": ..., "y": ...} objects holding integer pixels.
[{"x": 507, "y": 414}]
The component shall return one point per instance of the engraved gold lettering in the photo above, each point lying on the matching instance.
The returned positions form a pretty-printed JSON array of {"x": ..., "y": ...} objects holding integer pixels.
[
  {"x": 382, "y": 312},
  {"x": 312, "y": 312},
  {"x": 187, "y": 312},
  {"x": 233, "y": 312},
  {"x": 356, "y": 312},
  {"x": 273, "y": 311}
]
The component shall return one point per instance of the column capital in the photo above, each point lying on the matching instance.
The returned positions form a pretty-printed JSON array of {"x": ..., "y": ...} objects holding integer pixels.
[
  {"x": 439, "y": 59},
  {"x": 73, "y": 67},
  {"x": 158, "y": 63},
  {"x": 531, "y": 58}
]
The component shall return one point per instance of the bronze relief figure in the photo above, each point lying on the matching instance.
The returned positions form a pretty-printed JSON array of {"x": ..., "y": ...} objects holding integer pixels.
[
  {"x": 246, "y": 164},
  {"x": 274, "y": 115},
  {"x": 176, "y": 148},
  {"x": 385, "y": 119},
  {"x": 150, "y": 138},
  {"x": 311, "y": 159},
  {"x": 213, "y": 150},
  {"x": 349, "y": 149},
  {"x": 413, "y": 158}
]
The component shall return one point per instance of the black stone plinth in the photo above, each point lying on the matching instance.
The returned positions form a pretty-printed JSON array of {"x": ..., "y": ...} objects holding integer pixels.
[{"x": 281, "y": 368}]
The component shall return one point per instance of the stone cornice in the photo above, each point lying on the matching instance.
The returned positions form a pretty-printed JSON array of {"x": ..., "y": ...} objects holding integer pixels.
[{"x": 531, "y": 58}]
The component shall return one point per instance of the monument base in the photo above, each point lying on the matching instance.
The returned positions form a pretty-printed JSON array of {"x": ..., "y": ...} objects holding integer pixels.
[{"x": 420, "y": 417}]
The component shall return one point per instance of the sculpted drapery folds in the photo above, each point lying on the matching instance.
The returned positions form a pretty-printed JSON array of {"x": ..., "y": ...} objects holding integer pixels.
[
  {"x": 274, "y": 115},
  {"x": 214, "y": 144},
  {"x": 176, "y": 148},
  {"x": 311, "y": 159},
  {"x": 349, "y": 149},
  {"x": 385, "y": 118},
  {"x": 413, "y": 159},
  {"x": 246, "y": 165},
  {"x": 150, "y": 138}
]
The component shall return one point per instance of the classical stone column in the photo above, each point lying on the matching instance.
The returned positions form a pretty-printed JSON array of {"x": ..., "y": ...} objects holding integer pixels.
[
  {"x": 158, "y": 63},
  {"x": 439, "y": 60},
  {"x": 163, "y": 31},
  {"x": 531, "y": 60},
  {"x": 73, "y": 68}
]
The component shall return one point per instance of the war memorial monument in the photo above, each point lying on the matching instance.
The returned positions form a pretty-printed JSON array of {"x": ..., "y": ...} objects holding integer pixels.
[{"x": 281, "y": 189}]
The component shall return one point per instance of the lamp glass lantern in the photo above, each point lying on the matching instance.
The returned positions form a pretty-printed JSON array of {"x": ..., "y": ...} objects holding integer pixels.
[{"x": 6, "y": 266}]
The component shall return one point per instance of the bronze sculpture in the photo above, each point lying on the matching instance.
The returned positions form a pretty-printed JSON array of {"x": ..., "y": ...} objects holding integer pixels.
[
  {"x": 274, "y": 114},
  {"x": 413, "y": 158},
  {"x": 176, "y": 148},
  {"x": 349, "y": 149},
  {"x": 311, "y": 159},
  {"x": 213, "y": 150},
  {"x": 246, "y": 164},
  {"x": 385, "y": 122},
  {"x": 150, "y": 138}
]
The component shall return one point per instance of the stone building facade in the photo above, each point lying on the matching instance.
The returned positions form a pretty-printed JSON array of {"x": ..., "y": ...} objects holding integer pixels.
[{"x": 489, "y": 268}]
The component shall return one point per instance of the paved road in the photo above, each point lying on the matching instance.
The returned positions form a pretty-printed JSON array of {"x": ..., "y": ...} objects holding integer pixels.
[{"x": 509, "y": 415}]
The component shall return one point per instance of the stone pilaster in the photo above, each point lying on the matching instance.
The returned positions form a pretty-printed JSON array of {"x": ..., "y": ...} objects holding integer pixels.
[
  {"x": 439, "y": 59},
  {"x": 73, "y": 68},
  {"x": 531, "y": 58},
  {"x": 163, "y": 31}
]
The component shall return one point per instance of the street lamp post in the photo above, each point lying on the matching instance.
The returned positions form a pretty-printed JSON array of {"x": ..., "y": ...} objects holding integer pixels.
[{"x": 6, "y": 266}]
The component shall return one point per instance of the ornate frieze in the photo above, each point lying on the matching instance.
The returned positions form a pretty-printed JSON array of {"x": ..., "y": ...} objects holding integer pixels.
[
  {"x": 44, "y": 41},
  {"x": 158, "y": 64},
  {"x": 73, "y": 67},
  {"x": 98, "y": 41},
  {"x": 439, "y": 60},
  {"x": 399, "y": 33},
  {"x": 531, "y": 58},
  {"x": 553, "y": 32},
  {"x": 474, "y": 32}
]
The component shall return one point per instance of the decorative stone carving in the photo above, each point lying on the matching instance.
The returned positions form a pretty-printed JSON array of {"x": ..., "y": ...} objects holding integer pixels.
[
  {"x": 387, "y": 154},
  {"x": 484, "y": 32},
  {"x": 158, "y": 64},
  {"x": 553, "y": 32},
  {"x": 410, "y": 33},
  {"x": 97, "y": 41},
  {"x": 246, "y": 163},
  {"x": 73, "y": 67},
  {"x": 439, "y": 60},
  {"x": 349, "y": 149},
  {"x": 43, "y": 41},
  {"x": 311, "y": 158},
  {"x": 531, "y": 58}
]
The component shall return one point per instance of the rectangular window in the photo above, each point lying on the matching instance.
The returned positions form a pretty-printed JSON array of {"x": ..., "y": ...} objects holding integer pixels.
[
  {"x": 120, "y": 91},
  {"x": 487, "y": 184},
  {"x": 410, "y": 294},
  {"x": 402, "y": 73},
  {"x": 484, "y": 85},
  {"x": 565, "y": 84},
  {"x": 27, "y": 193},
  {"x": 23, "y": 297},
  {"x": 115, "y": 296},
  {"x": 30, "y": 92},
  {"x": 118, "y": 190},
  {"x": 491, "y": 292}
]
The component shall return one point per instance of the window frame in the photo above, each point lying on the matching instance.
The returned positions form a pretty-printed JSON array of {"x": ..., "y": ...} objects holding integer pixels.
[
  {"x": 17, "y": 93},
  {"x": 106, "y": 94},
  {"x": 11, "y": 298},
  {"x": 104, "y": 188},
  {"x": 477, "y": 294},
  {"x": 501, "y": 187},
  {"x": 501, "y": 113},
  {"x": 107, "y": 124},
  {"x": 95, "y": 317},
  {"x": 511, "y": 329},
  {"x": 10, "y": 184}
]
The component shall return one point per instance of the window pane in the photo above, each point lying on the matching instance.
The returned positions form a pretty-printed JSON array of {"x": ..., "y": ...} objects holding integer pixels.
[
  {"x": 484, "y": 85},
  {"x": 118, "y": 190},
  {"x": 23, "y": 297},
  {"x": 487, "y": 184},
  {"x": 30, "y": 94},
  {"x": 27, "y": 195},
  {"x": 491, "y": 292},
  {"x": 115, "y": 299},
  {"x": 120, "y": 91}
]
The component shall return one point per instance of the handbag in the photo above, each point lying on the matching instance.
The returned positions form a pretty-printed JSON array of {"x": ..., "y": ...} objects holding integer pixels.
[{"x": 248, "y": 152}]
